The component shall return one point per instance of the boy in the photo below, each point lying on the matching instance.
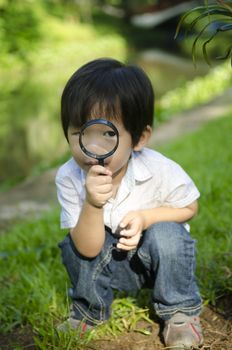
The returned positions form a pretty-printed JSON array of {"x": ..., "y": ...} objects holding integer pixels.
[{"x": 138, "y": 194}]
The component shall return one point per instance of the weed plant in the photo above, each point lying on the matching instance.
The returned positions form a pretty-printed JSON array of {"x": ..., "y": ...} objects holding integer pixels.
[{"x": 34, "y": 284}]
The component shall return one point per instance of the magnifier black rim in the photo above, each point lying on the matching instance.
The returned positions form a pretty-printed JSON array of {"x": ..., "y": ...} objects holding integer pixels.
[{"x": 98, "y": 121}]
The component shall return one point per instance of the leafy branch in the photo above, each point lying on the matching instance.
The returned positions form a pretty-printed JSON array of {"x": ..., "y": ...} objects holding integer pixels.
[{"x": 219, "y": 14}]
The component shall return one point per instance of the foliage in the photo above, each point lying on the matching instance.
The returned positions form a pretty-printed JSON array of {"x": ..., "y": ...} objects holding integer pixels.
[
  {"x": 45, "y": 43},
  {"x": 19, "y": 27},
  {"x": 219, "y": 20},
  {"x": 34, "y": 284},
  {"x": 20, "y": 21},
  {"x": 30, "y": 93},
  {"x": 196, "y": 92}
]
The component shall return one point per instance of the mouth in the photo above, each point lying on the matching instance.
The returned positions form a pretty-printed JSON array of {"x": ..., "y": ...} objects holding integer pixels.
[{"x": 91, "y": 162}]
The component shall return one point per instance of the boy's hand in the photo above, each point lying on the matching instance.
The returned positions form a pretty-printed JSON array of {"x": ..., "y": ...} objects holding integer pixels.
[
  {"x": 98, "y": 185},
  {"x": 131, "y": 226}
]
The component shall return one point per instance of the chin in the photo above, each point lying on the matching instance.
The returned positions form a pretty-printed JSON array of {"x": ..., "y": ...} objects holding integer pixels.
[{"x": 121, "y": 170}]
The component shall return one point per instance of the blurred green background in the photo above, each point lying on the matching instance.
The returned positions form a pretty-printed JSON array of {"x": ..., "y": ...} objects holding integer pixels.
[{"x": 44, "y": 41}]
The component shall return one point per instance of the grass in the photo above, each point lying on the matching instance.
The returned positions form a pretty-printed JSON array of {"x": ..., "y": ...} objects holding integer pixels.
[
  {"x": 207, "y": 156},
  {"x": 33, "y": 281}
]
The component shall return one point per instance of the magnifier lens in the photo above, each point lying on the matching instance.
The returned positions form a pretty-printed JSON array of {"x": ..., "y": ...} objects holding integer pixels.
[{"x": 99, "y": 138}]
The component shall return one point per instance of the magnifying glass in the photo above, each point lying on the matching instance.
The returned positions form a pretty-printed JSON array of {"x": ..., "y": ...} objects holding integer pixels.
[{"x": 99, "y": 139}]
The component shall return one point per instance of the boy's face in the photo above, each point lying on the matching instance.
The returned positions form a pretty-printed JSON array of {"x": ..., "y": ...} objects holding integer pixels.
[{"x": 117, "y": 163}]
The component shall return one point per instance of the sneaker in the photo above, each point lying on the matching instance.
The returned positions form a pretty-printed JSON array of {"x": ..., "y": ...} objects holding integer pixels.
[
  {"x": 182, "y": 332},
  {"x": 73, "y": 325}
]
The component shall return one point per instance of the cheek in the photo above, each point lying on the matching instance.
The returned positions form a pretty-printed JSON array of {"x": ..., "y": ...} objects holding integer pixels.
[
  {"x": 124, "y": 151},
  {"x": 125, "y": 146},
  {"x": 75, "y": 150}
]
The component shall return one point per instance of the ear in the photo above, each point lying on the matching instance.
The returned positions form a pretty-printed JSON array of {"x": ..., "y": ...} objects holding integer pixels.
[{"x": 144, "y": 138}]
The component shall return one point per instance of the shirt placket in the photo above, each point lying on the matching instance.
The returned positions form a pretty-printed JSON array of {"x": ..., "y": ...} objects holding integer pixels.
[{"x": 123, "y": 193}]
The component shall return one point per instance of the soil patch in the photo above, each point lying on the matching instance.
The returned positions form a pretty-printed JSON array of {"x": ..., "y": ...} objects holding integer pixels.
[
  {"x": 22, "y": 337},
  {"x": 217, "y": 333}
]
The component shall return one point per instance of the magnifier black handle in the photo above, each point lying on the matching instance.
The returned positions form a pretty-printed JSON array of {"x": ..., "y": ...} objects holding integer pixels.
[{"x": 101, "y": 162}]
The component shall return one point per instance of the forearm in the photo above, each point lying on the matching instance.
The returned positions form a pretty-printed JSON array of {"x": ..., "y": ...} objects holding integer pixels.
[
  {"x": 89, "y": 233},
  {"x": 155, "y": 215}
]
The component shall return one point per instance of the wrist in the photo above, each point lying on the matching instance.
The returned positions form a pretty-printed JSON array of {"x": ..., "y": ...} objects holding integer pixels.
[
  {"x": 92, "y": 204},
  {"x": 144, "y": 220}
]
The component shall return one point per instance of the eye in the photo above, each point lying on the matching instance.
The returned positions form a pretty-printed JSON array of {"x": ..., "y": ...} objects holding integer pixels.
[
  {"x": 109, "y": 133},
  {"x": 76, "y": 133}
]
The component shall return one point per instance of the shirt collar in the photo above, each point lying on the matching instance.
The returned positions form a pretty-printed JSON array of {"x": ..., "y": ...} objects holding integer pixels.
[
  {"x": 138, "y": 170},
  {"x": 140, "y": 166}
]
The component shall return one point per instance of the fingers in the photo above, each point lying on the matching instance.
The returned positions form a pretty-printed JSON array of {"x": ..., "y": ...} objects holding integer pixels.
[
  {"x": 99, "y": 175},
  {"x": 132, "y": 228},
  {"x": 129, "y": 243},
  {"x": 128, "y": 233},
  {"x": 126, "y": 220},
  {"x": 103, "y": 189},
  {"x": 99, "y": 186},
  {"x": 98, "y": 199},
  {"x": 132, "y": 224},
  {"x": 96, "y": 170},
  {"x": 125, "y": 247}
]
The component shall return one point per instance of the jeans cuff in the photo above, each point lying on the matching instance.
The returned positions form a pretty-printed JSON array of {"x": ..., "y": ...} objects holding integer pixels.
[
  {"x": 80, "y": 313},
  {"x": 167, "y": 313}
]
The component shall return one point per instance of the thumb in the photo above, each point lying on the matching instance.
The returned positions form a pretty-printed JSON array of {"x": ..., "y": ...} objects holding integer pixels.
[{"x": 125, "y": 221}]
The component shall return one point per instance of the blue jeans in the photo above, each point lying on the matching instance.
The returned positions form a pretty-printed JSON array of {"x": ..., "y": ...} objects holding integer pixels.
[{"x": 163, "y": 261}]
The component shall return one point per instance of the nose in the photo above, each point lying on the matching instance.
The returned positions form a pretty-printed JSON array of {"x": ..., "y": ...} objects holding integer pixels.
[
  {"x": 97, "y": 149},
  {"x": 91, "y": 161}
]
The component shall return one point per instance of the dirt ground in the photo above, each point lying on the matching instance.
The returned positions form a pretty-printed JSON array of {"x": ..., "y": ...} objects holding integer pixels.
[{"x": 217, "y": 333}]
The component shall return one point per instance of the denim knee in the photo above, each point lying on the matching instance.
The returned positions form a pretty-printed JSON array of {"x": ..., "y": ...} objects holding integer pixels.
[
  {"x": 91, "y": 292},
  {"x": 168, "y": 250},
  {"x": 167, "y": 238},
  {"x": 164, "y": 239}
]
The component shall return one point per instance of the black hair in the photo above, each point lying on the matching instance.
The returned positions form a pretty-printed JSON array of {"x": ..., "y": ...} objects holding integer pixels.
[{"x": 109, "y": 89}]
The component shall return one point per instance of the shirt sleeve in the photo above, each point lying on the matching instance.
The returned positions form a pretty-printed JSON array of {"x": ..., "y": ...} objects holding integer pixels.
[
  {"x": 181, "y": 190},
  {"x": 69, "y": 200}
]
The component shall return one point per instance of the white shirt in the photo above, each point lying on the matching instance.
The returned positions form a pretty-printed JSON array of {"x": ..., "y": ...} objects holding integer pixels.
[{"x": 151, "y": 181}]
